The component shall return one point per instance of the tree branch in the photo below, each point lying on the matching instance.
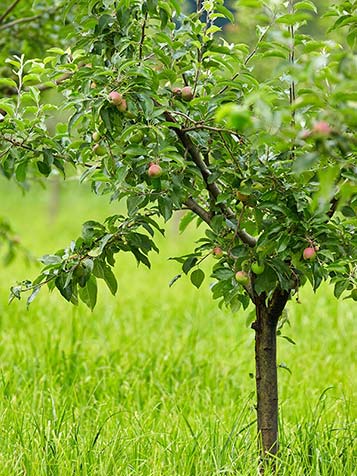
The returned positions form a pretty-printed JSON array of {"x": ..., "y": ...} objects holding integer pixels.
[
  {"x": 196, "y": 208},
  {"x": 20, "y": 20},
  {"x": 142, "y": 39},
  {"x": 212, "y": 187},
  {"x": 8, "y": 10}
]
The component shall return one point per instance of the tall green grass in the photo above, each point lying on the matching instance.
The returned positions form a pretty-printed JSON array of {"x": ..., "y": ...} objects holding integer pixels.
[{"x": 158, "y": 381}]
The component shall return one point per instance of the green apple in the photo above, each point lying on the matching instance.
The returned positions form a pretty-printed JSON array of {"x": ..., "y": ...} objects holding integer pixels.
[
  {"x": 99, "y": 150},
  {"x": 96, "y": 136},
  {"x": 257, "y": 268}
]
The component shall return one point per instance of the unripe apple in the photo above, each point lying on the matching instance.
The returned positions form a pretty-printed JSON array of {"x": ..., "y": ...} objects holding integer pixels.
[
  {"x": 122, "y": 106},
  {"x": 258, "y": 268},
  {"x": 115, "y": 98},
  {"x": 322, "y": 128},
  {"x": 154, "y": 170},
  {"x": 96, "y": 136},
  {"x": 137, "y": 137},
  {"x": 309, "y": 253},
  {"x": 242, "y": 277},
  {"x": 354, "y": 294},
  {"x": 187, "y": 93},
  {"x": 243, "y": 197},
  {"x": 217, "y": 252},
  {"x": 99, "y": 149}
]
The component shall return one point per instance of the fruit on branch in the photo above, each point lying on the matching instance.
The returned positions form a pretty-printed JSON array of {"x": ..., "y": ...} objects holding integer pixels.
[
  {"x": 96, "y": 136},
  {"x": 118, "y": 101},
  {"x": 309, "y": 253},
  {"x": 217, "y": 252},
  {"x": 187, "y": 93},
  {"x": 154, "y": 170},
  {"x": 99, "y": 150},
  {"x": 176, "y": 91},
  {"x": 242, "y": 277},
  {"x": 115, "y": 98},
  {"x": 137, "y": 137},
  {"x": 243, "y": 197},
  {"x": 354, "y": 294},
  {"x": 322, "y": 128},
  {"x": 122, "y": 107},
  {"x": 257, "y": 268}
]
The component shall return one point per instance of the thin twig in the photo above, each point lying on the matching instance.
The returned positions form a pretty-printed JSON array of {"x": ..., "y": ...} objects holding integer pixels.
[
  {"x": 20, "y": 20},
  {"x": 8, "y": 10},
  {"x": 142, "y": 39},
  {"x": 250, "y": 56}
]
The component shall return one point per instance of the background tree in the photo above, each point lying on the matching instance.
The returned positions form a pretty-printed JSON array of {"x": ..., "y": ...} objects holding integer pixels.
[{"x": 168, "y": 116}]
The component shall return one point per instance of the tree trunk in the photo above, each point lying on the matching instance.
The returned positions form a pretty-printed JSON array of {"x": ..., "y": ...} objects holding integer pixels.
[
  {"x": 266, "y": 377},
  {"x": 266, "y": 381}
]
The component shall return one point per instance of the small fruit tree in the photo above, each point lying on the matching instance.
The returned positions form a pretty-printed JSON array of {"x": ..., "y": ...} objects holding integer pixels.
[{"x": 255, "y": 142}]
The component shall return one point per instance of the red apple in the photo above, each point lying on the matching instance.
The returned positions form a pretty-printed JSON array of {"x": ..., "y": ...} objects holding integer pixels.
[
  {"x": 309, "y": 253},
  {"x": 187, "y": 93},
  {"x": 242, "y": 277},
  {"x": 154, "y": 170},
  {"x": 322, "y": 128},
  {"x": 115, "y": 98},
  {"x": 217, "y": 252}
]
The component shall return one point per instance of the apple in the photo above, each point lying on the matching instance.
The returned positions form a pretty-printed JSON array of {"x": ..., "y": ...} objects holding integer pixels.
[
  {"x": 309, "y": 253},
  {"x": 115, "y": 98},
  {"x": 187, "y": 93},
  {"x": 322, "y": 128},
  {"x": 122, "y": 106},
  {"x": 243, "y": 197},
  {"x": 217, "y": 252},
  {"x": 99, "y": 149},
  {"x": 354, "y": 294},
  {"x": 137, "y": 137},
  {"x": 242, "y": 277},
  {"x": 257, "y": 268},
  {"x": 154, "y": 170},
  {"x": 96, "y": 136},
  {"x": 176, "y": 91}
]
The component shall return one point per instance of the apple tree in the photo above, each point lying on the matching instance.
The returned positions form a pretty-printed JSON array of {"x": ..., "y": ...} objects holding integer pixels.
[{"x": 255, "y": 142}]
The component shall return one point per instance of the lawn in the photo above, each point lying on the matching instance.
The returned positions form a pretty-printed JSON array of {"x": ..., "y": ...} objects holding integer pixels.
[{"x": 158, "y": 381}]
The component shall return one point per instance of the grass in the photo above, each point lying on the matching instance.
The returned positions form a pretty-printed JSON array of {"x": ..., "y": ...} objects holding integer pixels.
[{"x": 158, "y": 381}]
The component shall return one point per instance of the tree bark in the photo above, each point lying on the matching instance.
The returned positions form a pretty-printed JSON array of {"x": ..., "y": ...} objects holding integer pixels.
[
  {"x": 265, "y": 326},
  {"x": 266, "y": 381}
]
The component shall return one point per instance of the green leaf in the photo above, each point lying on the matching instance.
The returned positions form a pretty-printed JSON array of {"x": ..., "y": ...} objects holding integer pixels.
[
  {"x": 88, "y": 294},
  {"x": 110, "y": 280},
  {"x": 197, "y": 277}
]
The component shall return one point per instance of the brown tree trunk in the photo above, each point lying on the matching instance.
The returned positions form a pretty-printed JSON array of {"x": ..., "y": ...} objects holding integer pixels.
[
  {"x": 265, "y": 326},
  {"x": 266, "y": 381}
]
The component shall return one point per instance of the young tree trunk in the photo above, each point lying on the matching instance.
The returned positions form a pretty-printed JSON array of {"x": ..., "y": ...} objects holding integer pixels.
[
  {"x": 265, "y": 326},
  {"x": 266, "y": 381}
]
